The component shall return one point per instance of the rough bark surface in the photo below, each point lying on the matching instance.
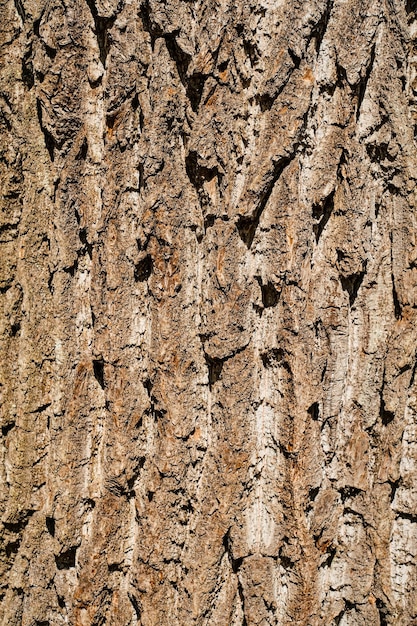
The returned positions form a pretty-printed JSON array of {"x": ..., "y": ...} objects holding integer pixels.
[{"x": 209, "y": 312}]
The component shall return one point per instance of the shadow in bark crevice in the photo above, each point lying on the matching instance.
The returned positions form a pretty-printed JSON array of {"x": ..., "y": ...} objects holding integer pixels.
[
  {"x": 321, "y": 214},
  {"x": 351, "y": 285},
  {"x": 49, "y": 140},
  {"x": 248, "y": 224},
  {"x": 102, "y": 25},
  {"x": 66, "y": 560}
]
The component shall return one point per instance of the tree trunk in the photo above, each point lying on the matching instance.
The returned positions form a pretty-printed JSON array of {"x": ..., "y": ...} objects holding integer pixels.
[{"x": 209, "y": 312}]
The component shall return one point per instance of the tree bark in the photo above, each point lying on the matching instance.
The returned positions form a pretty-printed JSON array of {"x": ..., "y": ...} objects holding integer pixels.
[{"x": 209, "y": 287}]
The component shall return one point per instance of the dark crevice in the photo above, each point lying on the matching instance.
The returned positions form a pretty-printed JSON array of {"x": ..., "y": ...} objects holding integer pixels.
[
  {"x": 28, "y": 77},
  {"x": 209, "y": 220},
  {"x": 235, "y": 563},
  {"x": 49, "y": 140},
  {"x": 215, "y": 367},
  {"x": 141, "y": 121},
  {"x": 320, "y": 28},
  {"x": 66, "y": 559},
  {"x": 331, "y": 552},
  {"x": 36, "y": 25},
  {"x": 51, "y": 283},
  {"x": 19, "y": 526},
  {"x": 51, "y": 52},
  {"x": 50, "y": 525},
  {"x": 394, "y": 484},
  {"x": 12, "y": 547},
  {"x": 41, "y": 408},
  {"x": 411, "y": 6},
  {"x": 98, "y": 369},
  {"x": 266, "y": 101},
  {"x": 158, "y": 414},
  {"x": 148, "y": 386},
  {"x": 287, "y": 453},
  {"x": 338, "y": 618},
  {"x": 321, "y": 214},
  {"x": 6, "y": 121},
  {"x": 140, "y": 462},
  {"x": 247, "y": 225},
  {"x": 143, "y": 269},
  {"x": 71, "y": 269},
  {"x": 102, "y": 25},
  {"x": 61, "y": 602},
  {"x": 142, "y": 245},
  {"x": 149, "y": 26},
  {"x": 273, "y": 357},
  {"x": 196, "y": 173},
  {"x": 194, "y": 89},
  {"x": 363, "y": 82},
  {"x": 314, "y": 411},
  {"x": 82, "y": 153},
  {"x": 115, "y": 567},
  {"x": 412, "y": 517},
  {"x": 7, "y": 428},
  {"x": 251, "y": 51},
  {"x": 242, "y": 601},
  {"x": 270, "y": 296},
  {"x": 141, "y": 177},
  {"x": 111, "y": 119},
  {"x": 295, "y": 58},
  {"x": 378, "y": 153},
  {"x": 6, "y": 228},
  {"x": 397, "y": 305},
  {"x": 193, "y": 84},
  {"x": 386, "y": 416},
  {"x": 313, "y": 493},
  {"x": 349, "y": 492},
  {"x": 135, "y": 603},
  {"x": 351, "y": 284},
  {"x": 383, "y": 612},
  {"x": 286, "y": 561},
  {"x": 413, "y": 375},
  {"x": 89, "y": 504},
  {"x": 135, "y": 102},
  {"x": 87, "y": 245},
  {"x": 20, "y": 9},
  {"x": 341, "y": 75}
]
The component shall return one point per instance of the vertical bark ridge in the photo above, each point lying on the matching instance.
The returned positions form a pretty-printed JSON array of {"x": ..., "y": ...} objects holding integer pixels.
[{"x": 208, "y": 291}]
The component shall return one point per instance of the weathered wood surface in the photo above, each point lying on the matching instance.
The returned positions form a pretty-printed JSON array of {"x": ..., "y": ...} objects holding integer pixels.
[{"x": 209, "y": 288}]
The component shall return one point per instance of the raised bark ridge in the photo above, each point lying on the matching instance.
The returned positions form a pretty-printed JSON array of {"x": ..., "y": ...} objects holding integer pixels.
[{"x": 208, "y": 289}]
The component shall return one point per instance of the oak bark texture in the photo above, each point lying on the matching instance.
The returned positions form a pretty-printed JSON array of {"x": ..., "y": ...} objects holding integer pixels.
[{"x": 209, "y": 324}]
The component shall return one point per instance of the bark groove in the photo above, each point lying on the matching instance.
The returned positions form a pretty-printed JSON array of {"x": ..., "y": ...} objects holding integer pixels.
[{"x": 208, "y": 286}]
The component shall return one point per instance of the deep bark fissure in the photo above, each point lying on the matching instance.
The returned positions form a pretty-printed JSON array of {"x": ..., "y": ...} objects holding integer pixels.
[
  {"x": 102, "y": 26},
  {"x": 321, "y": 214},
  {"x": 49, "y": 140},
  {"x": 248, "y": 224},
  {"x": 209, "y": 312}
]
